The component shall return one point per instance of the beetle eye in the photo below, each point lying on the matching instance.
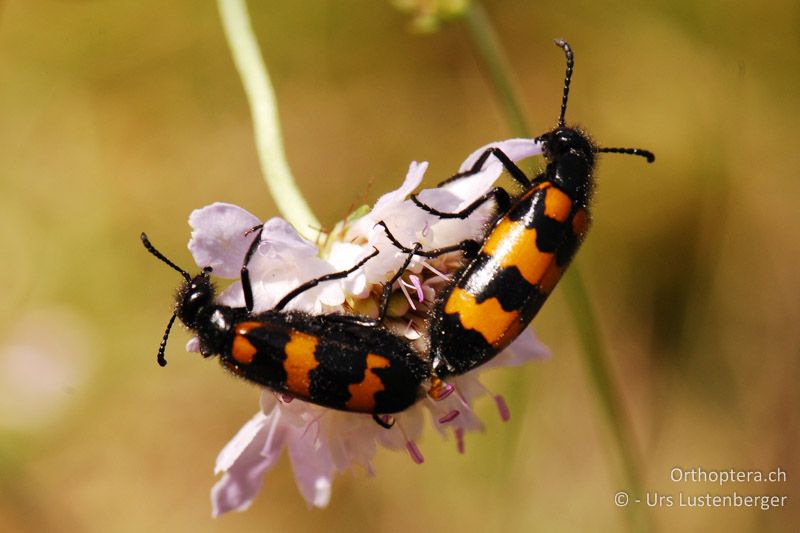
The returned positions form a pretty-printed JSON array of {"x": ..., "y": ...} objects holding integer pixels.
[
  {"x": 197, "y": 296},
  {"x": 195, "y": 300}
]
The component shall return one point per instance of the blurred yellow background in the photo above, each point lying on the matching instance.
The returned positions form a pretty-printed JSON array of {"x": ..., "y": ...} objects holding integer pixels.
[{"x": 123, "y": 116}]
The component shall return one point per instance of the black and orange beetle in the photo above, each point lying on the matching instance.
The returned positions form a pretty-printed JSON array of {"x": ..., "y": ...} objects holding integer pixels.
[
  {"x": 343, "y": 362},
  {"x": 527, "y": 247}
]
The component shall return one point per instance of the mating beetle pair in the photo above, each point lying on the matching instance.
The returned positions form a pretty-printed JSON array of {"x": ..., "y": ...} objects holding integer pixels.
[{"x": 355, "y": 364}]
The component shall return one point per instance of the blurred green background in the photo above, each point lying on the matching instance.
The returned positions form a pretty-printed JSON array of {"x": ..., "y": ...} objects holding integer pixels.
[{"x": 122, "y": 116}]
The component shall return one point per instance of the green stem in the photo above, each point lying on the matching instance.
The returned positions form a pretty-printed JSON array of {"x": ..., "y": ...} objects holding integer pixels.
[
  {"x": 487, "y": 44},
  {"x": 485, "y": 41},
  {"x": 263, "y": 107},
  {"x": 595, "y": 358}
]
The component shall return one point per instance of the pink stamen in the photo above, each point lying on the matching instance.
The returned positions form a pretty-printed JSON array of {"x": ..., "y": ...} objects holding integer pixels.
[
  {"x": 405, "y": 293},
  {"x": 505, "y": 414},
  {"x": 414, "y": 452},
  {"x": 445, "y": 390},
  {"x": 418, "y": 285},
  {"x": 502, "y": 408},
  {"x": 411, "y": 446},
  {"x": 425, "y": 229},
  {"x": 443, "y": 276},
  {"x": 409, "y": 327},
  {"x": 449, "y": 417},
  {"x": 460, "y": 440}
]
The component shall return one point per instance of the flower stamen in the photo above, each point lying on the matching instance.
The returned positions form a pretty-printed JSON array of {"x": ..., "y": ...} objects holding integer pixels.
[
  {"x": 415, "y": 283},
  {"x": 410, "y": 327},
  {"x": 403, "y": 285},
  {"x": 411, "y": 446},
  {"x": 442, "y": 276},
  {"x": 414, "y": 452},
  {"x": 449, "y": 417},
  {"x": 440, "y": 390},
  {"x": 460, "y": 440},
  {"x": 500, "y": 402},
  {"x": 505, "y": 413}
]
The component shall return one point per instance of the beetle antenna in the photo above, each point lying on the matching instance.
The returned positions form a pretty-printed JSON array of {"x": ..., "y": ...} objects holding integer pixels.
[
  {"x": 159, "y": 255},
  {"x": 162, "y": 361},
  {"x": 647, "y": 154},
  {"x": 567, "y": 77}
]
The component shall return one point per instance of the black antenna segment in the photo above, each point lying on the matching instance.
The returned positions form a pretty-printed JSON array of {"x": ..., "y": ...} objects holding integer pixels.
[
  {"x": 647, "y": 154},
  {"x": 567, "y": 77},
  {"x": 159, "y": 255},
  {"x": 162, "y": 361}
]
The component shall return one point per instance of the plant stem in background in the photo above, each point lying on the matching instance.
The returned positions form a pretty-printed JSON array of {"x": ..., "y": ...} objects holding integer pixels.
[
  {"x": 261, "y": 97},
  {"x": 485, "y": 41}
]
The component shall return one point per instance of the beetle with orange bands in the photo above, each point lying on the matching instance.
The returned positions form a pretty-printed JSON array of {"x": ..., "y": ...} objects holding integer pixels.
[
  {"x": 527, "y": 247},
  {"x": 343, "y": 362}
]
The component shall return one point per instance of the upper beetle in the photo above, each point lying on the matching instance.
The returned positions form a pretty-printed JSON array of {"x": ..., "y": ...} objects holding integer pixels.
[{"x": 525, "y": 250}]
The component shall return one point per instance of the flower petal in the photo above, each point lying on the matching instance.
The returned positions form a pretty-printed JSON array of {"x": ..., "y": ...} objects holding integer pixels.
[
  {"x": 239, "y": 443},
  {"x": 515, "y": 149},
  {"x": 246, "y": 464},
  {"x": 280, "y": 240},
  {"x": 526, "y": 348},
  {"x": 313, "y": 467},
  {"x": 387, "y": 204},
  {"x": 219, "y": 237},
  {"x": 238, "y": 487},
  {"x": 282, "y": 262},
  {"x": 413, "y": 178}
]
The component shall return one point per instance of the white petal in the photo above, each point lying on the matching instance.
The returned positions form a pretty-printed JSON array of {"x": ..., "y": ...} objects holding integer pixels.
[
  {"x": 526, "y": 348},
  {"x": 386, "y": 204},
  {"x": 276, "y": 435},
  {"x": 239, "y": 486},
  {"x": 456, "y": 196},
  {"x": 312, "y": 465},
  {"x": 239, "y": 443},
  {"x": 245, "y": 466},
  {"x": 280, "y": 239},
  {"x": 282, "y": 270},
  {"x": 349, "y": 438},
  {"x": 441, "y": 198},
  {"x": 345, "y": 255},
  {"x": 233, "y": 295},
  {"x": 515, "y": 149},
  {"x": 218, "y": 237},
  {"x": 472, "y": 187},
  {"x": 413, "y": 178}
]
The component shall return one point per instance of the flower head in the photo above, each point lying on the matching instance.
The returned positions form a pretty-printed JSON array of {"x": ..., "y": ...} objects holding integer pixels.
[
  {"x": 429, "y": 15},
  {"x": 321, "y": 442}
]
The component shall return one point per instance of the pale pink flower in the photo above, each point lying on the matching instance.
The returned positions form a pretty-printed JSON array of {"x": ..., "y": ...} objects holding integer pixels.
[{"x": 322, "y": 442}]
